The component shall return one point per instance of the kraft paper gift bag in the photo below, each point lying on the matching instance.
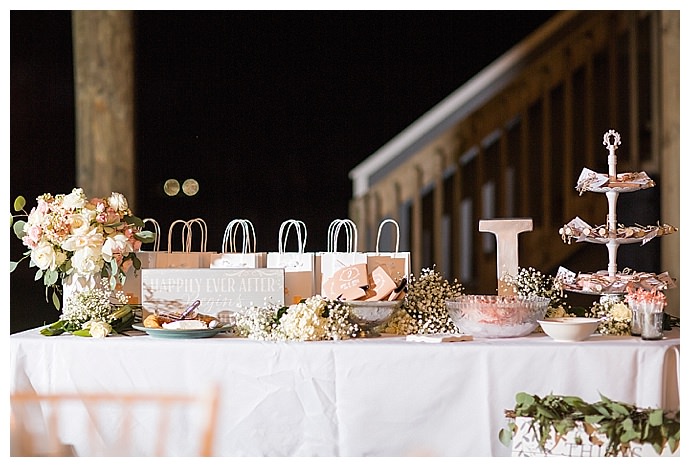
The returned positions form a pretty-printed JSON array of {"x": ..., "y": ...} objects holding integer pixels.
[
  {"x": 247, "y": 257},
  {"x": 298, "y": 266},
  {"x": 397, "y": 263},
  {"x": 183, "y": 259},
  {"x": 147, "y": 259},
  {"x": 343, "y": 274}
]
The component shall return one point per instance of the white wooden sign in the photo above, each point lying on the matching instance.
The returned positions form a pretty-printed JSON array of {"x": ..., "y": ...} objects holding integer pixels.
[
  {"x": 219, "y": 290},
  {"x": 576, "y": 443}
]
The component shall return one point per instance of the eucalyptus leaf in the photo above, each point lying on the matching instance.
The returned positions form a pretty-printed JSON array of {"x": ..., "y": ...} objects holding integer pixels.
[
  {"x": 56, "y": 300},
  {"x": 145, "y": 236},
  {"x": 594, "y": 419},
  {"x": 505, "y": 436},
  {"x": 50, "y": 277},
  {"x": 656, "y": 418},
  {"x": 619, "y": 408},
  {"x": 522, "y": 398},
  {"x": 18, "y": 229},
  {"x": 19, "y": 203}
]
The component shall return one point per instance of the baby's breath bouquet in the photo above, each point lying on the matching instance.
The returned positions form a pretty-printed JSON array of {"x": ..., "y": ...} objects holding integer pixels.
[
  {"x": 423, "y": 310},
  {"x": 529, "y": 282},
  {"x": 312, "y": 319},
  {"x": 95, "y": 312}
]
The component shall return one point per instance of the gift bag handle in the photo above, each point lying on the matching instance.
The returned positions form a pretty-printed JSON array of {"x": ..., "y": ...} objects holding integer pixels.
[
  {"x": 332, "y": 236},
  {"x": 185, "y": 226},
  {"x": 204, "y": 234},
  {"x": 397, "y": 234},
  {"x": 227, "y": 239},
  {"x": 350, "y": 231},
  {"x": 248, "y": 243},
  {"x": 156, "y": 232},
  {"x": 284, "y": 231}
]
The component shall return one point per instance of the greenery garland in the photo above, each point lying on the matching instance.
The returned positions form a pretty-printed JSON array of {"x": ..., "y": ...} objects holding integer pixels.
[{"x": 621, "y": 423}]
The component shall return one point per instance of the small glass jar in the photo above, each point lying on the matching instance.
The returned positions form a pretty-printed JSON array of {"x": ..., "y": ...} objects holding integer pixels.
[
  {"x": 635, "y": 321},
  {"x": 651, "y": 320}
]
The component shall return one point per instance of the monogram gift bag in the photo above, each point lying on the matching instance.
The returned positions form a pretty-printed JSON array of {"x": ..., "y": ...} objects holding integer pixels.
[
  {"x": 387, "y": 268},
  {"x": 343, "y": 274},
  {"x": 233, "y": 258},
  {"x": 298, "y": 265}
]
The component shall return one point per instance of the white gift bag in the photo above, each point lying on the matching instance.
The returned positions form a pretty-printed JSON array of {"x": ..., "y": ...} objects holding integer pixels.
[
  {"x": 230, "y": 257},
  {"x": 298, "y": 266},
  {"x": 343, "y": 274},
  {"x": 183, "y": 259}
]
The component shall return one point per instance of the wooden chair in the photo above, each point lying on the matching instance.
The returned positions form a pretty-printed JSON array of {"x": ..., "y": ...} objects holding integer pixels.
[{"x": 107, "y": 424}]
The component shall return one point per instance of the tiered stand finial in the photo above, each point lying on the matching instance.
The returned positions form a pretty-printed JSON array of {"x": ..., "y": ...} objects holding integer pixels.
[{"x": 612, "y": 197}]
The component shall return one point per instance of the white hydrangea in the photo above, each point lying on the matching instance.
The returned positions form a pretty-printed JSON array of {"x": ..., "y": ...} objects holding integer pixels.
[{"x": 313, "y": 319}]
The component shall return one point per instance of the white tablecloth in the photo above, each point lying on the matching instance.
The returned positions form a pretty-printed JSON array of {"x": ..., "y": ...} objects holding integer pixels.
[{"x": 364, "y": 397}]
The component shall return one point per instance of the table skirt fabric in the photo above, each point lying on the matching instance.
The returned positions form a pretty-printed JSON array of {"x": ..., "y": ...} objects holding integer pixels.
[{"x": 362, "y": 397}]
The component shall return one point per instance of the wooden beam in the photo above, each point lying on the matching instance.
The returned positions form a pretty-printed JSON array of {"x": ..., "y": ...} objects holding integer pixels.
[{"x": 104, "y": 102}]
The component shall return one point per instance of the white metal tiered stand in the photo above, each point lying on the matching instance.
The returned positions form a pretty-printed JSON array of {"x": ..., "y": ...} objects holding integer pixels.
[{"x": 612, "y": 141}]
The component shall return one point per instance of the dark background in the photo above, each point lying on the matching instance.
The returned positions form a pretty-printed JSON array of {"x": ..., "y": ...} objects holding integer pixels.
[{"x": 267, "y": 110}]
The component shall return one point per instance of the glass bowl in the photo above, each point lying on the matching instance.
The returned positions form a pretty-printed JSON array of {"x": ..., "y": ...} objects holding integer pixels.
[
  {"x": 372, "y": 314},
  {"x": 496, "y": 315}
]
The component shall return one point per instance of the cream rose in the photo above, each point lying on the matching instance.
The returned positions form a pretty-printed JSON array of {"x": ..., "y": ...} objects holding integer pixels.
[
  {"x": 87, "y": 260},
  {"x": 118, "y": 202},
  {"x": 620, "y": 312},
  {"x": 79, "y": 223},
  {"x": 45, "y": 257},
  {"x": 74, "y": 200},
  {"x": 99, "y": 329},
  {"x": 92, "y": 238}
]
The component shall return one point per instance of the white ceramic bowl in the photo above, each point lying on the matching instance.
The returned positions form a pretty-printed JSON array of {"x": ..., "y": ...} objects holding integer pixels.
[{"x": 569, "y": 329}]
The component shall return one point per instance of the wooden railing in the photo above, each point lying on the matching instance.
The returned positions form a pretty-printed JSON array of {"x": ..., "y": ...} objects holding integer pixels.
[{"x": 512, "y": 142}]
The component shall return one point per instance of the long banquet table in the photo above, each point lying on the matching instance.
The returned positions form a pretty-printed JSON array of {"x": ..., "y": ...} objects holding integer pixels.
[{"x": 380, "y": 396}]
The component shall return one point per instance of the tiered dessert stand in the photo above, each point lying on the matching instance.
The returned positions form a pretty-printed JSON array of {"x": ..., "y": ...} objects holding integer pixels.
[{"x": 611, "y": 284}]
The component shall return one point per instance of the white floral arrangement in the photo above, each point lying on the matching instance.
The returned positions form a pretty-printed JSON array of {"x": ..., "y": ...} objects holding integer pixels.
[
  {"x": 312, "y": 319},
  {"x": 615, "y": 317},
  {"x": 72, "y": 235},
  {"x": 94, "y": 312},
  {"x": 423, "y": 310}
]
